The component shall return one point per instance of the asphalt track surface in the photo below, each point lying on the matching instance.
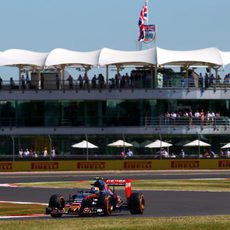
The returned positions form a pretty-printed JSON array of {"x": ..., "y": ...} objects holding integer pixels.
[{"x": 158, "y": 203}]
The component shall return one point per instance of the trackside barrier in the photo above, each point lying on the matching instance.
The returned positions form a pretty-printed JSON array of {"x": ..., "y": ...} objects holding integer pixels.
[{"x": 97, "y": 165}]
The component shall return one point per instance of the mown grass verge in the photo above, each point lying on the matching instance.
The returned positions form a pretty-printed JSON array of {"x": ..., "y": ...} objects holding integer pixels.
[
  {"x": 111, "y": 223},
  {"x": 10, "y": 209}
]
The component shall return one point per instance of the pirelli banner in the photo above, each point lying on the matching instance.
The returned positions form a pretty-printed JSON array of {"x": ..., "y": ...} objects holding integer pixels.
[{"x": 100, "y": 165}]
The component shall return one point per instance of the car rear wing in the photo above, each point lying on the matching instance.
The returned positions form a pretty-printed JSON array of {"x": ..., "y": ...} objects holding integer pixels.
[{"x": 126, "y": 183}]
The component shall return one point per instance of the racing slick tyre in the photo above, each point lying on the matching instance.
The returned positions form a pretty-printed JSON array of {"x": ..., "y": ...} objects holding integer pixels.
[
  {"x": 136, "y": 203},
  {"x": 56, "y": 202},
  {"x": 106, "y": 203}
]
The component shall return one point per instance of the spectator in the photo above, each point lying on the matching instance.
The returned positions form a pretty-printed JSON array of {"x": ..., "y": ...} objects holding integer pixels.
[
  {"x": 42, "y": 81},
  {"x": 53, "y": 152},
  {"x": 123, "y": 154},
  {"x": 57, "y": 81},
  {"x": 0, "y": 83},
  {"x": 86, "y": 81},
  {"x": 164, "y": 153},
  {"x": 23, "y": 82},
  {"x": 70, "y": 79},
  {"x": 12, "y": 84},
  {"x": 20, "y": 153},
  {"x": 182, "y": 153},
  {"x": 94, "y": 81},
  {"x": 129, "y": 153},
  {"x": 80, "y": 80},
  {"x": 202, "y": 116},
  {"x": 45, "y": 152},
  {"x": 26, "y": 153},
  {"x": 212, "y": 154}
]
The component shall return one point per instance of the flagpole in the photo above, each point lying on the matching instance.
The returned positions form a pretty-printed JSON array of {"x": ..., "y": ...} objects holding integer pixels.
[
  {"x": 147, "y": 18},
  {"x": 147, "y": 5}
]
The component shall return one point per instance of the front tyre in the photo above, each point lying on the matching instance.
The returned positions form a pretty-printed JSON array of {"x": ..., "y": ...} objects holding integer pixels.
[
  {"x": 56, "y": 204},
  {"x": 105, "y": 202},
  {"x": 136, "y": 203}
]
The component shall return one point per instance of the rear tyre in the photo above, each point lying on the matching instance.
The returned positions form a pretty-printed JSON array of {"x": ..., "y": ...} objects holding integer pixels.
[
  {"x": 136, "y": 203},
  {"x": 56, "y": 202}
]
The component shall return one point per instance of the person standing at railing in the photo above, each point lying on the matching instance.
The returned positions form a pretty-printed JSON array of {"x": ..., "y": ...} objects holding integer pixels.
[
  {"x": 0, "y": 83},
  {"x": 86, "y": 81},
  {"x": 201, "y": 79},
  {"x": 94, "y": 81},
  {"x": 23, "y": 82},
  {"x": 45, "y": 152},
  {"x": 206, "y": 81},
  {"x": 42, "y": 81},
  {"x": 80, "y": 80},
  {"x": 129, "y": 153},
  {"x": 123, "y": 154},
  {"x": 70, "y": 79},
  {"x": 53, "y": 152},
  {"x": 57, "y": 81},
  {"x": 190, "y": 117},
  {"x": 197, "y": 117},
  {"x": 12, "y": 84},
  {"x": 182, "y": 153},
  {"x": 202, "y": 116}
]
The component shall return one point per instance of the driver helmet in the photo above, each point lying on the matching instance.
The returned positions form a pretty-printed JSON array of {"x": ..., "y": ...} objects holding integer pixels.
[{"x": 94, "y": 189}]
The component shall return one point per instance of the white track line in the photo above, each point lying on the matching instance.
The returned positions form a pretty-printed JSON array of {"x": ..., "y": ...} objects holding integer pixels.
[
  {"x": 8, "y": 185},
  {"x": 22, "y": 216},
  {"x": 19, "y": 202}
]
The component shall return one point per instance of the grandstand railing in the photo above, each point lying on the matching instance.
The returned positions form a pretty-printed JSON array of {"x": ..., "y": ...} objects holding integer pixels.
[
  {"x": 136, "y": 84},
  {"x": 187, "y": 121}
]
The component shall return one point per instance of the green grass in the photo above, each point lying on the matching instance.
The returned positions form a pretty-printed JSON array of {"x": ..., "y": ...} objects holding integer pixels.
[
  {"x": 218, "y": 185},
  {"x": 8, "y": 209},
  {"x": 59, "y": 184},
  {"x": 104, "y": 223}
]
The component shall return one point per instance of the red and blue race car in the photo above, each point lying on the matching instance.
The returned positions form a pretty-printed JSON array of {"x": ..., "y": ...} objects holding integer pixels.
[{"x": 99, "y": 200}]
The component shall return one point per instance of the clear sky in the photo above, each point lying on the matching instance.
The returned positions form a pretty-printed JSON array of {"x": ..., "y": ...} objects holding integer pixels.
[{"x": 85, "y": 25}]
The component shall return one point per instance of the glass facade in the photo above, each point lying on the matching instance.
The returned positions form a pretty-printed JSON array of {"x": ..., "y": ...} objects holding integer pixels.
[{"x": 97, "y": 113}]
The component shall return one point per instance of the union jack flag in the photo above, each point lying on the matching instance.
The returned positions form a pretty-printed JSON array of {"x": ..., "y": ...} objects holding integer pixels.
[
  {"x": 145, "y": 11},
  {"x": 143, "y": 17}
]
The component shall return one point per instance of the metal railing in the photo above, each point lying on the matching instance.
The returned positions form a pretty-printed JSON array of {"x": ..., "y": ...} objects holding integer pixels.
[
  {"x": 38, "y": 121},
  {"x": 136, "y": 84},
  {"x": 187, "y": 121},
  {"x": 137, "y": 156}
]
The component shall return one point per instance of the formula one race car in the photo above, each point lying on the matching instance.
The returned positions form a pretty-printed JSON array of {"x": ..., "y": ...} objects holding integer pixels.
[{"x": 99, "y": 200}]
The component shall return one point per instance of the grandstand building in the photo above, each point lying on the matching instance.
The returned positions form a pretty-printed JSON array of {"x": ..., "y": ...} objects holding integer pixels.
[{"x": 44, "y": 107}]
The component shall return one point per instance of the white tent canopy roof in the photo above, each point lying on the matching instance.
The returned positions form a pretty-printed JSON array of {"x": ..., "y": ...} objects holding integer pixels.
[
  {"x": 227, "y": 146},
  {"x": 17, "y": 57},
  {"x": 195, "y": 57},
  {"x": 106, "y": 56},
  {"x": 84, "y": 145},
  {"x": 115, "y": 57},
  {"x": 197, "y": 143},
  {"x": 120, "y": 143},
  {"x": 225, "y": 57},
  {"x": 158, "y": 144},
  {"x": 68, "y": 57}
]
